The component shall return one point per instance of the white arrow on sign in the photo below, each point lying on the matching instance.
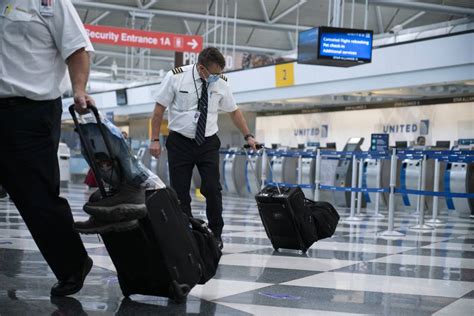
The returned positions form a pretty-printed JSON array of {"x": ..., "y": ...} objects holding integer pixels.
[{"x": 193, "y": 43}]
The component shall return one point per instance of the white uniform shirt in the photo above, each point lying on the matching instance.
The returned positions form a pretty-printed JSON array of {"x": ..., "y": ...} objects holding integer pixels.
[
  {"x": 180, "y": 91},
  {"x": 34, "y": 45}
]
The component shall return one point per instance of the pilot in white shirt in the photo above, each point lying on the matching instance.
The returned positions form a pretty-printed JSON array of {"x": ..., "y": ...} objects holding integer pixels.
[
  {"x": 193, "y": 96},
  {"x": 180, "y": 92}
]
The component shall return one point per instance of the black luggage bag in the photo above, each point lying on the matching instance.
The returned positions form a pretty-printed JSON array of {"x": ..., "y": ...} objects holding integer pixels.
[
  {"x": 189, "y": 247},
  {"x": 287, "y": 220},
  {"x": 160, "y": 257},
  {"x": 167, "y": 255},
  {"x": 292, "y": 221}
]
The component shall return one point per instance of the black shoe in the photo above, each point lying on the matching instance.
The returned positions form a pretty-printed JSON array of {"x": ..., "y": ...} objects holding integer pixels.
[
  {"x": 94, "y": 226},
  {"x": 73, "y": 284},
  {"x": 127, "y": 203}
]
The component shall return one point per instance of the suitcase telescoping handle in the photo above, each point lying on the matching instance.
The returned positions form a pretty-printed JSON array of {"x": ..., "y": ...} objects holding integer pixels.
[
  {"x": 259, "y": 147},
  {"x": 87, "y": 146}
]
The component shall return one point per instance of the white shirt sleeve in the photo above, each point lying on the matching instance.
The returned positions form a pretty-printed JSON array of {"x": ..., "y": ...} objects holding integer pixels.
[
  {"x": 166, "y": 92},
  {"x": 67, "y": 29},
  {"x": 227, "y": 103}
]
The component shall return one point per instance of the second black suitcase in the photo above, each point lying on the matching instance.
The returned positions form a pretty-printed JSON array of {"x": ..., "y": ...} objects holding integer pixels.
[
  {"x": 286, "y": 218},
  {"x": 140, "y": 266},
  {"x": 174, "y": 236},
  {"x": 161, "y": 256}
]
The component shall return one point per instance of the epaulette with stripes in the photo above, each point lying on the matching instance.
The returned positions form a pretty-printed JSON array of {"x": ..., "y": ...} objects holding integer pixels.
[
  {"x": 177, "y": 70},
  {"x": 223, "y": 77}
]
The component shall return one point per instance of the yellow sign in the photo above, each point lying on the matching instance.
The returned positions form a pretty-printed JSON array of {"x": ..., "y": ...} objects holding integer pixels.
[{"x": 284, "y": 75}]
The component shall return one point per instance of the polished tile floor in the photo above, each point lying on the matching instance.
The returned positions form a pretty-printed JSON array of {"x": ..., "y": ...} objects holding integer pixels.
[{"x": 355, "y": 272}]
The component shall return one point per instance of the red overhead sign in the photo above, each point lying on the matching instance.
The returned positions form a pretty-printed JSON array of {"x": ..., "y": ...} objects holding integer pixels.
[{"x": 137, "y": 38}]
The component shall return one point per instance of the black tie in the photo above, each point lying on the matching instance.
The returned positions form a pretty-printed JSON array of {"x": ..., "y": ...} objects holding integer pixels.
[{"x": 202, "y": 107}]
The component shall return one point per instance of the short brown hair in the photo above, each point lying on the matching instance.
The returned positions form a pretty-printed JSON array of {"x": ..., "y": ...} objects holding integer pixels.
[{"x": 211, "y": 55}]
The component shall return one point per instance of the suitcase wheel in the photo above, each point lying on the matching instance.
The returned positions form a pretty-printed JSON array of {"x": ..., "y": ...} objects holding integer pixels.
[
  {"x": 276, "y": 249},
  {"x": 179, "y": 292}
]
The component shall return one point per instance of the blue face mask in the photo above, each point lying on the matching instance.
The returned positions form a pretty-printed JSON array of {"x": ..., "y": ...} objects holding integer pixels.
[{"x": 212, "y": 78}]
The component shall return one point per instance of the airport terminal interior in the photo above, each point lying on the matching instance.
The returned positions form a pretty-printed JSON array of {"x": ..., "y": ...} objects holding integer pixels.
[{"x": 365, "y": 104}]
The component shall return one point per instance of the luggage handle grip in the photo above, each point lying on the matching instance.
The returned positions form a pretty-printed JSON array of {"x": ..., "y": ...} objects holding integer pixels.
[
  {"x": 258, "y": 146},
  {"x": 95, "y": 111}
]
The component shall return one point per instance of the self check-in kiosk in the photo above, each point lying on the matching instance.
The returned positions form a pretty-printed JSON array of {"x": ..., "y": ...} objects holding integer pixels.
[
  {"x": 239, "y": 178},
  {"x": 372, "y": 167},
  {"x": 410, "y": 179},
  {"x": 251, "y": 176},
  {"x": 344, "y": 172},
  {"x": 459, "y": 178},
  {"x": 373, "y": 170},
  {"x": 228, "y": 169},
  {"x": 308, "y": 166},
  {"x": 276, "y": 161}
]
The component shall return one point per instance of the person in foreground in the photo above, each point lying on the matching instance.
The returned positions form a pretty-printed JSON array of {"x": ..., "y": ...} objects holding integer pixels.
[{"x": 39, "y": 41}]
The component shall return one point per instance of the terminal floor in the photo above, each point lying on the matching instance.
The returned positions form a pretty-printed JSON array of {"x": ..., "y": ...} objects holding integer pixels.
[{"x": 355, "y": 272}]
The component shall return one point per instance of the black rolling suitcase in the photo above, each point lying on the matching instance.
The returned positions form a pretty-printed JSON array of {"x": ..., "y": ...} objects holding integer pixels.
[
  {"x": 292, "y": 221},
  {"x": 160, "y": 257},
  {"x": 287, "y": 220}
]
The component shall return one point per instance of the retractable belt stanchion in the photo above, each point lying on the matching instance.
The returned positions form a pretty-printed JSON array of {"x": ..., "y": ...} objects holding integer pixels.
[
  {"x": 264, "y": 169},
  {"x": 359, "y": 186},
  {"x": 421, "y": 226},
  {"x": 390, "y": 232},
  {"x": 418, "y": 187},
  {"x": 434, "y": 221},
  {"x": 353, "y": 217},
  {"x": 317, "y": 176},
  {"x": 300, "y": 169},
  {"x": 378, "y": 181}
]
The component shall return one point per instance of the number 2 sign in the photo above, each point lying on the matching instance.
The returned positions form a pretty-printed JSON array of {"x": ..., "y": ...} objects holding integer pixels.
[{"x": 284, "y": 75}]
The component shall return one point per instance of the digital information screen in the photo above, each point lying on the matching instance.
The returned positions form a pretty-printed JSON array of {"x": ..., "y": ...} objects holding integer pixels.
[
  {"x": 379, "y": 142},
  {"x": 338, "y": 47},
  {"x": 466, "y": 141}
]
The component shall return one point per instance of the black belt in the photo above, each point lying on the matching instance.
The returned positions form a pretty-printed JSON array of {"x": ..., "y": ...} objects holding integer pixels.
[
  {"x": 186, "y": 137},
  {"x": 12, "y": 101}
]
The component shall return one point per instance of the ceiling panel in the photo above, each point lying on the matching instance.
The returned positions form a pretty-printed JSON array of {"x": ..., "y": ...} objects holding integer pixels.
[{"x": 310, "y": 14}]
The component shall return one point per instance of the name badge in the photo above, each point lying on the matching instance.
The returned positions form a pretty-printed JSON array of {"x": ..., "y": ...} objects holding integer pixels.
[
  {"x": 46, "y": 7},
  {"x": 7, "y": 10},
  {"x": 196, "y": 116}
]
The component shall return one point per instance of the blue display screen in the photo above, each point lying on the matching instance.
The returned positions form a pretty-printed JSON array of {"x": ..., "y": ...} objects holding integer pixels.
[
  {"x": 379, "y": 142},
  {"x": 330, "y": 46},
  {"x": 346, "y": 46},
  {"x": 466, "y": 141}
]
